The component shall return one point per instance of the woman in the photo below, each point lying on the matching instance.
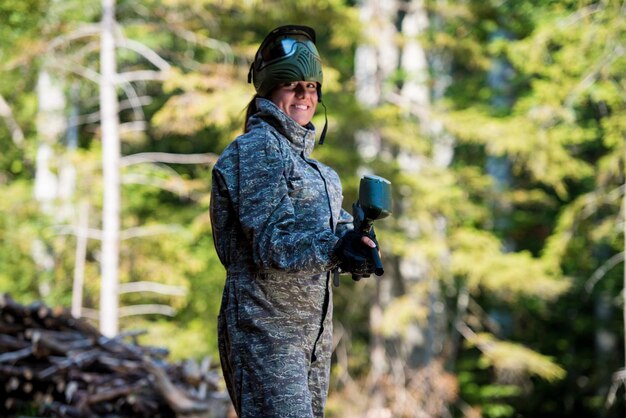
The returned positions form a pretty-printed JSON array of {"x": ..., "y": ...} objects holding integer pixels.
[{"x": 279, "y": 230}]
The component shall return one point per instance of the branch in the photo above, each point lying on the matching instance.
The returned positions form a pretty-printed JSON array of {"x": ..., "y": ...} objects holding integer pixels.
[
  {"x": 148, "y": 309},
  {"x": 114, "y": 393},
  {"x": 81, "y": 54},
  {"x": 619, "y": 378},
  {"x": 82, "y": 32},
  {"x": 580, "y": 14},
  {"x": 14, "y": 356},
  {"x": 90, "y": 233},
  {"x": 602, "y": 270},
  {"x": 93, "y": 30},
  {"x": 174, "y": 187},
  {"x": 168, "y": 158},
  {"x": 158, "y": 169},
  {"x": 16, "y": 132},
  {"x": 133, "y": 98},
  {"x": 590, "y": 78},
  {"x": 136, "y": 126},
  {"x": 145, "y": 52},
  {"x": 221, "y": 46},
  {"x": 140, "y": 75},
  {"x": 176, "y": 399},
  {"x": 90, "y": 313},
  {"x": 204, "y": 372},
  {"x": 145, "y": 286},
  {"x": 70, "y": 66},
  {"x": 591, "y": 206},
  {"x": 137, "y": 232},
  {"x": 145, "y": 231},
  {"x": 95, "y": 116}
]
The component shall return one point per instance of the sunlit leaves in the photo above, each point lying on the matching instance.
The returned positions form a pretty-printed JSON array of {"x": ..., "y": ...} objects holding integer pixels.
[
  {"x": 479, "y": 258},
  {"x": 405, "y": 313},
  {"x": 539, "y": 142},
  {"x": 515, "y": 359}
]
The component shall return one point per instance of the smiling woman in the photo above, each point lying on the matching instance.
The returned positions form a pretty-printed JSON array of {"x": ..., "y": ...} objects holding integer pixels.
[
  {"x": 298, "y": 99},
  {"x": 279, "y": 229},
  {"x": 287, "y": 59}
]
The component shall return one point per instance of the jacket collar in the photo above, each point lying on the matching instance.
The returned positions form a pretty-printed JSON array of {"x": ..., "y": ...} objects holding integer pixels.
[{"x": 301, "y": 138}]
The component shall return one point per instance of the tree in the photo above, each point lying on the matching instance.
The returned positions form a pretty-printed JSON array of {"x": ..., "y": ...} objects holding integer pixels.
[
  {"x": 443, "y": 216},
  {"x": 500, "y": 125},
  {"x": 109, "y": 109}
]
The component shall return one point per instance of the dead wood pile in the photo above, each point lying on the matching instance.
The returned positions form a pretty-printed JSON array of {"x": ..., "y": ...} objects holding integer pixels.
[{"x": 56, "y": 365}]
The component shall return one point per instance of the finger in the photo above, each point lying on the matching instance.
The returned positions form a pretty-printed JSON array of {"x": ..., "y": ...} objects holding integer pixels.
[{"x": 368, "y": 241}]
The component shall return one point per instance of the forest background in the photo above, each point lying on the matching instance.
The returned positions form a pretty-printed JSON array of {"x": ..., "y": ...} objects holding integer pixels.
[{"x": 501, "y": 125}]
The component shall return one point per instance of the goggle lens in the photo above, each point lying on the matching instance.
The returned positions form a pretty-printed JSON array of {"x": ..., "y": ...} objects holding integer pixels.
[{"x": 283, "y": 46}]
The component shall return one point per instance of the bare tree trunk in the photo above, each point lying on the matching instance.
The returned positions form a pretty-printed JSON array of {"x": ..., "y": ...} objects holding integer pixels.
[
  {"x": 79, "y": 262},
  {"x": 415, "y": 98},
  {"x": 397, "y": 29},
  {"x": 110, "y": 166},
  {"x": 619, "y": 377},
  {"x": 375, "y": 61},
  {"x": 50, "y": 127},
  {"x": 624, "y": 284},
  {"x": 16, "y": 132}
]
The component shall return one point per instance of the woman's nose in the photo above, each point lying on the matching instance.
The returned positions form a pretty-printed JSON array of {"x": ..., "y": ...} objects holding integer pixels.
[{"x": 301, "y": 91}]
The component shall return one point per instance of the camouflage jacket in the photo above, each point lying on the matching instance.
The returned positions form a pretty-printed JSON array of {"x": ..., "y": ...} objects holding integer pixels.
[{"x": 273, "y": 209}]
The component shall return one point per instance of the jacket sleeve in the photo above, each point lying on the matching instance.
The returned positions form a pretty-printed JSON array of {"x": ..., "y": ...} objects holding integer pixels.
[
  {"x": 266, "y": 214},
  {"x": 344, "y": 223}
]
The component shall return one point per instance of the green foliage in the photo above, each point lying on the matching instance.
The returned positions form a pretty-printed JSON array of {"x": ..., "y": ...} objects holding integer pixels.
[
  {"x": 404, "y": 312},
  {"x": 525, "y": 245},
  {"x": 19, "y": 274},
  {"x": 478, "y": 257},
  {"x": 513, "y": 358},
  {"x": 18, "y": 20}
]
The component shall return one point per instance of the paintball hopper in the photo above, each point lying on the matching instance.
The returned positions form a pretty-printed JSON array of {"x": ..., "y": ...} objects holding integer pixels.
[
  {"x": 375, "y": 198},
  {"x": 374, "y": 203}
]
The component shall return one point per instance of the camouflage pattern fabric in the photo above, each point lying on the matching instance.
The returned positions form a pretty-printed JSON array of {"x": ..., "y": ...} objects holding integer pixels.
[{"x": 276, "y": 217}]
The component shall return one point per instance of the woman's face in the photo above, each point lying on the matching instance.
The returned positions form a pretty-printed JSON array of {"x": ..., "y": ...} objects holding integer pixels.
[{"x": 297, "y": 99}]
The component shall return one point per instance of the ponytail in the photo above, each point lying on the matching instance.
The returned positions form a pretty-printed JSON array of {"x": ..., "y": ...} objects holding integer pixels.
[{"x": 251, "y": 109}]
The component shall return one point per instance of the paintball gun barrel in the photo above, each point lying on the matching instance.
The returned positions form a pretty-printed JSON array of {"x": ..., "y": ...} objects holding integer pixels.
[{"x": 374, "y": 203}]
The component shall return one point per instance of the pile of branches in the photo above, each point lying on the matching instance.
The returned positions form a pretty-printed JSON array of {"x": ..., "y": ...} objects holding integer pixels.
[{"x": 55, "y": 365}]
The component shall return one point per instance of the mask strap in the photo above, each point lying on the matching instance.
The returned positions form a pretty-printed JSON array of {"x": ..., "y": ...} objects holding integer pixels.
[{"x": 323, "y": 135}]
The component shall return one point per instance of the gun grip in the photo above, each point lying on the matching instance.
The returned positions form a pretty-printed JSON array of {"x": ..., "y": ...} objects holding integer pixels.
[
  {"x": 336, "y": 277},
  {"x": 378, "y": 264}
]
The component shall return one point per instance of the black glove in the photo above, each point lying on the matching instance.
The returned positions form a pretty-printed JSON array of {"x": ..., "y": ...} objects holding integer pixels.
[{"x": 354, "y": 256}]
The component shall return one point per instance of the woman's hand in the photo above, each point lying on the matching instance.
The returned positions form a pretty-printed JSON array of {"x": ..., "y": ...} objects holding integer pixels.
[
  {"x": 369, "y": 242},
  {"x": 353, "y": 251}
]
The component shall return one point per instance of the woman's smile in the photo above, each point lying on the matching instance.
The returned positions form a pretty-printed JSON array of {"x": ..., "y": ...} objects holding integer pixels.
[{"x": 297, "y": 99}]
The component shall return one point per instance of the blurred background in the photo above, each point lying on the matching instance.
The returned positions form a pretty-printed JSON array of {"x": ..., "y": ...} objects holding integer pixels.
[{"x": 501, "y": 125}]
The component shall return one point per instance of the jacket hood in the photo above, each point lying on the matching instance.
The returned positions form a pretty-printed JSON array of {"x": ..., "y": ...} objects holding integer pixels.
[{"x": 302, "y": 138}]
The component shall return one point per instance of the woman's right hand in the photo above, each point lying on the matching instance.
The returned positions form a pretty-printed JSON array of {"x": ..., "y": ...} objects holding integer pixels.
[{"x": 354, "y": 253}]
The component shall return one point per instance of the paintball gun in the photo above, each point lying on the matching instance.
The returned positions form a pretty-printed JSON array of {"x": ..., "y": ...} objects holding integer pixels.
[{"x": 374, "y": 203}]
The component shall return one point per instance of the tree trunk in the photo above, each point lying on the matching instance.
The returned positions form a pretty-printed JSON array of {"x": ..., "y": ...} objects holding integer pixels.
[
  {"x": 624, "y": 283},
  {"x": 111, "y": 175},
  {"x": 79, "y": 261},
  {"x": 424, "y": 81},
  {"x": 50, "y": 127},
  {"x": 415, "y": 95},
  {"x": 375, "y": 61}
]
